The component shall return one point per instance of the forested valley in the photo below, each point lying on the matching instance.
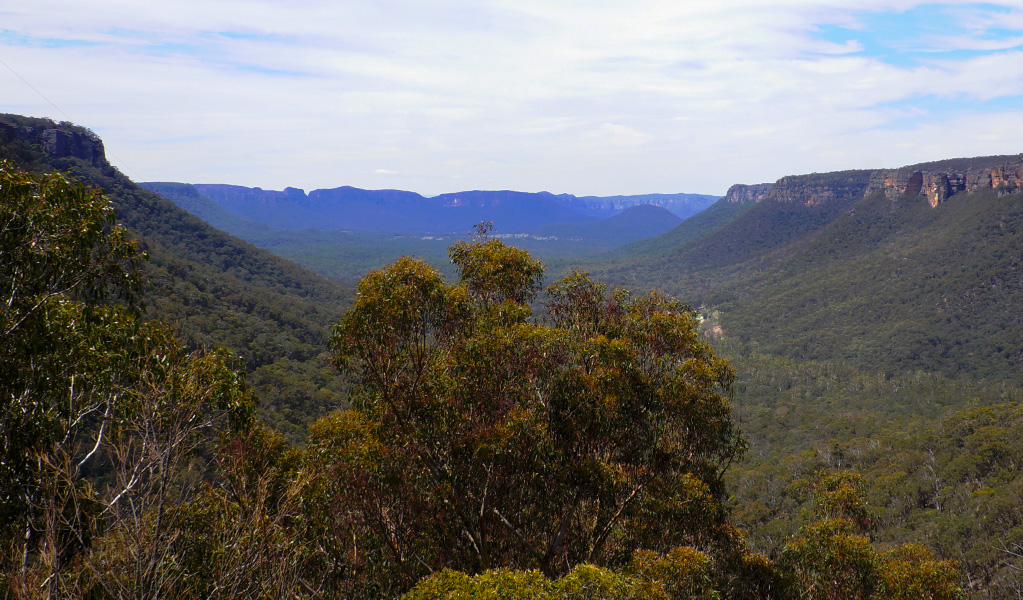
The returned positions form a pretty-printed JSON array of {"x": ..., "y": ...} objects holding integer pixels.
[{"x": 821, "y": 401}]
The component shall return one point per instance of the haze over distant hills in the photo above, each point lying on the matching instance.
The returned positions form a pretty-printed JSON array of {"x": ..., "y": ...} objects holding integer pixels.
[
  {"x": 395, "y": 211},
  {"x": 345, "y": 232}
]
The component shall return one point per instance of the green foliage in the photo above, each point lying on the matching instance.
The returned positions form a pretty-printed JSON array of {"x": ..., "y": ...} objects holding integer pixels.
[
  {"x": 499, "y": 584},
  {"x": 681, "y": 574},
  {"x": 217, "y": 291},
  {"x": 717, "y": 215},
  {"x": 59, "y": 245},
  {"x": 883, "y": 286},
  {"x": 494, "y": 273},
  {"x": 481, "y": 439},
  {"x": 856, "y": 331},
  {"x": 100, "y": 414},
  {"x": 837, "y": 496},
  {"x": 829, "y": 559},
  {"x": 240, "y": 538},
  {"x": 910, "y": 572},
  {"x": 950, "y": 484}
]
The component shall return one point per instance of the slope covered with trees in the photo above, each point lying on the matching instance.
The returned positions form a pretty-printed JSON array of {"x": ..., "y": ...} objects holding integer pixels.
[
  {"x": 880, "y": 284},
  {"x": 859, "y": 332},
  {"x": 215, "y": 290},
  {"x": 481, "y": 443}
]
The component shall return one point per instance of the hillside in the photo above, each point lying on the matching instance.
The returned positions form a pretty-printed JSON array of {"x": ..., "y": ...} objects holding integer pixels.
[
  {"x": 873, "y": 321},
  {"x": 850, "y": 271},
  {"x": 394, "y": 211},
  {"x": 717, "y": 215},
  {"x": 214, "y": 288}
]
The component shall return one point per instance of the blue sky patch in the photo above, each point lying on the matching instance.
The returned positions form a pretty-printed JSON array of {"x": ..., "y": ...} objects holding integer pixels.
[
  {"x": 13, "y": 38},
  {"x": 925, "y": 33},
  {"x": 264, "y": 70},
  {"x": 933, "y": 108}
]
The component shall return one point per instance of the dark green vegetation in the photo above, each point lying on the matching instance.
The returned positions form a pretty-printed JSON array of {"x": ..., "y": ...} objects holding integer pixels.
[
  {"x": 883, "y": 285},
  {"x": 215, "y": 290},
  {"x": 508, "y": 431},
  {"x": 590, "y": 446},
  {"x": 870, "y": 334},
  {"x": 634, "y": 223},
  {"x": 877, "y": 412},
  {"x": 716, "y": 215},
  {"x": 99, "y": 411}
]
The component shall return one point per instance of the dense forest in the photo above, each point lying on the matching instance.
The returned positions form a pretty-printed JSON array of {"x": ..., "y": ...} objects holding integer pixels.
[
  {"x": 186, "y": 415},
  {"x": 213, "y": 289}
]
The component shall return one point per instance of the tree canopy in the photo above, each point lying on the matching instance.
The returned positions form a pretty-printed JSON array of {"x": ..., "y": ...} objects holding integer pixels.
[
  {"x": 98, "y": 410},
  {"x": 481, "y": 436}
]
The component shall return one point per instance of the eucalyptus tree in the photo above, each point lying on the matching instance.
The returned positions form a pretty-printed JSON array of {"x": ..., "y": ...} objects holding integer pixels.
[
  {"x": 482, "y": 437},
  {"x": 98, "y": 409}
]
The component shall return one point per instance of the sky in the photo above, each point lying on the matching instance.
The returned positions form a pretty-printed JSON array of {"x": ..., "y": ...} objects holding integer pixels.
[{"x": 587, "y": 97}]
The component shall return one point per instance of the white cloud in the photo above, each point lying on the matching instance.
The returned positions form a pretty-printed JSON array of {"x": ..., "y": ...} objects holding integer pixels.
[{"x": 571, "y": 96}]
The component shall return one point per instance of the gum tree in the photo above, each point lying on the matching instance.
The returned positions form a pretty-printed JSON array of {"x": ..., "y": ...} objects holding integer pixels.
[
  {"x": 98, "y": 410},
  {"x": 481, "y": 437}
]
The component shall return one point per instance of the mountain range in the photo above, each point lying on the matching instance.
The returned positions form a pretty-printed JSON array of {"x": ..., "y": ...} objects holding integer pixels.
[
  {"x": 262, "y": 218},
  {"x": 395, "y": 211}
]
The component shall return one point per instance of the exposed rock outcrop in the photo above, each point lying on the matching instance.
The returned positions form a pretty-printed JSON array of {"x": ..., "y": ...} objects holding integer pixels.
[
  {"x": 819, "y": 188},
  {"x": 937, "y": 182},
  {"x": 80, "y": 144},
  {"x": 56, "y": 139},
  {"x": 748, "y": 193}
]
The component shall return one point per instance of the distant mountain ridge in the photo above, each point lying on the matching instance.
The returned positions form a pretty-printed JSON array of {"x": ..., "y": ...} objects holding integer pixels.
[{"x": 389, "y": 211}]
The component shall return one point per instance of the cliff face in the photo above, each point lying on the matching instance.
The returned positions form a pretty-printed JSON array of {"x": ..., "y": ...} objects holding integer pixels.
[
  {"x": 57, "y": 141},
  {"x": 807, "y": 190},
  {"x": 819, "y": 188},
  {"x": 938, "y": 181},
  {"x": 681, "y": 205},
  {"x": 748, "y": 193},
  {"x": 243, "y": 196},
  {"x": 80, "y": 144},
  {"x": 935, "y": 181}
]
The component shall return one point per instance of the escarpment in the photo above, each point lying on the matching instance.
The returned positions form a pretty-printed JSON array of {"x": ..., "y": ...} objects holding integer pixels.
[
  {"x": 743, "y": 193},
  {"x": 820, "y": 188},
  {"x": 57, "y": 140},
  {"x": 937, "y": 182},
  {"x": 934, "y": 181}
]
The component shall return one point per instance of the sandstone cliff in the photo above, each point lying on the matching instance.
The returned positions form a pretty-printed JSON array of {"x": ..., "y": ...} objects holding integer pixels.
[
  {"x": 743, "y": 193},
  {"x": 819, "y": 188},
  {"x": 935, "y": 181},
  {"x": 938, "y": 181}
]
